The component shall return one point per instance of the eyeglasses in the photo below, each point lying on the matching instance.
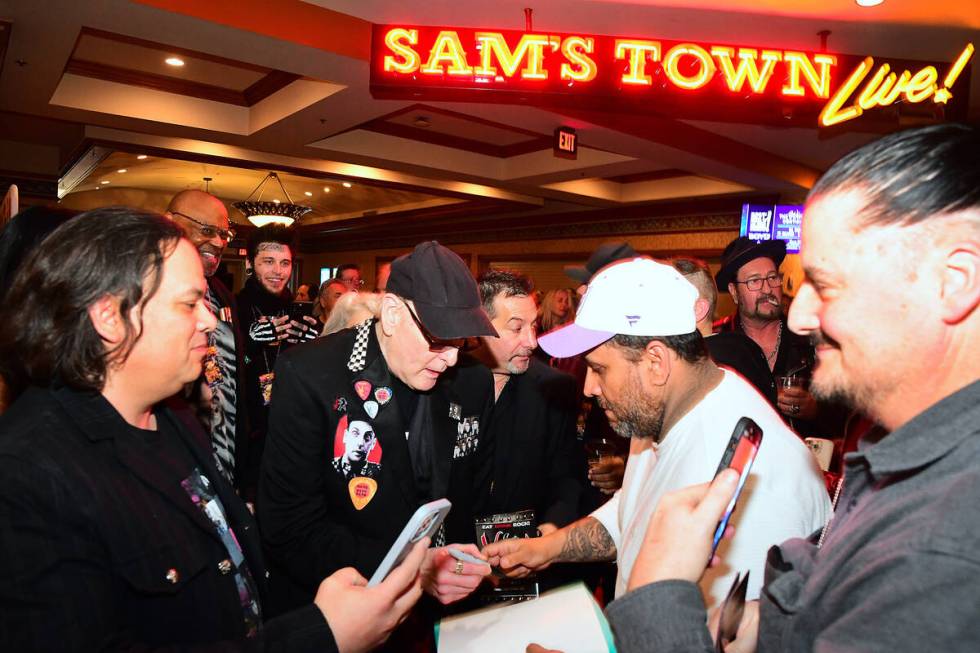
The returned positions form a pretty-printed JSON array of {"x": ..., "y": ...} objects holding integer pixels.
[
  {"x": 209, "y": 230},
  {"x": 351, "y": 283},
  {"x": 774, "y": 280},
  {"x": 435, "y": 344}
]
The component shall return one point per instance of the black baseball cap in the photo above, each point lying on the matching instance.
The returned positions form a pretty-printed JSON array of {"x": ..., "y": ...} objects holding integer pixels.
[
  {"x": 444, "y": 293},
  {"x": 603, "y": 256}
]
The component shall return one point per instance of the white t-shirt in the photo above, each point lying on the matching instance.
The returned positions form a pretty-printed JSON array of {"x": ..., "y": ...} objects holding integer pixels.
[{"x": 784, "y": 496}]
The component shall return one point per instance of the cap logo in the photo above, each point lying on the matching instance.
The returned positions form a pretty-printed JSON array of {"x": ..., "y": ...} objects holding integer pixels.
[{"x": 633, "y": 319}]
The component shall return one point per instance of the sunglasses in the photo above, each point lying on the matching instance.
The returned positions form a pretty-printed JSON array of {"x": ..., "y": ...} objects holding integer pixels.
[
  {"x": 207, "y": 230},
  {"x": 435, "y": 344}
]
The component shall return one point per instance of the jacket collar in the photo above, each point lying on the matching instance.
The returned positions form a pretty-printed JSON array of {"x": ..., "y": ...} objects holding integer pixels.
[
  {"x": 99, "y": 420},
  {"x": 927, "y": 437}
]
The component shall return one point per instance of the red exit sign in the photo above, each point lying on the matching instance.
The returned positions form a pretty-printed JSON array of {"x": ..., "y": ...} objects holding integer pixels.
[{"x": 566, "y": 143}]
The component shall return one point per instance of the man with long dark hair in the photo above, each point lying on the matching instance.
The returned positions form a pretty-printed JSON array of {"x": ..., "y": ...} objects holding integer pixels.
[{"x": 116, "y": 529}]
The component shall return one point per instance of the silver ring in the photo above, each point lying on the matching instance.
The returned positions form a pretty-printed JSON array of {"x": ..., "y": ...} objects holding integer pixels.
[
  {"x": 796, "y": 409},
  {"x": 459, "y": 567}
]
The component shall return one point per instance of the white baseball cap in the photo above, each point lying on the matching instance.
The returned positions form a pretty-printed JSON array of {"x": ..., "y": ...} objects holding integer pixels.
[{"x": 637, "y": 297}]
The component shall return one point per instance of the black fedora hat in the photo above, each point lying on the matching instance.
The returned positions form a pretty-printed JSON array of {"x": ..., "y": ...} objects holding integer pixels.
[
  {"x": 443, "y": 291},
  {"x": 742, "y": 250},
  {"x": 606, "y": 253}
]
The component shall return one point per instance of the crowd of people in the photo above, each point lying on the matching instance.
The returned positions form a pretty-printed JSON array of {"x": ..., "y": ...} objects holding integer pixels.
[{"x": 186, "y": 468}]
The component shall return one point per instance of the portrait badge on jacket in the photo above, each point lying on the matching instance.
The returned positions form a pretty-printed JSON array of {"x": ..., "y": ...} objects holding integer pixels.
[
  {"x": 357, "y": 457},
  {"x": 467, "y": 437},
  {"x": 356, "y": 449}
]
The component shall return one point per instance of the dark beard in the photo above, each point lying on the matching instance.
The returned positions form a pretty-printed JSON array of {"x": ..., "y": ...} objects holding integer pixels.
[
  {"x": 644, "y": 424},
  {"x": 637, "y": 416}
]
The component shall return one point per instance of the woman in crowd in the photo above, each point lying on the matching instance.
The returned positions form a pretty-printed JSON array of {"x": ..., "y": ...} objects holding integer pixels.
[{"x": 556, "y": 309}]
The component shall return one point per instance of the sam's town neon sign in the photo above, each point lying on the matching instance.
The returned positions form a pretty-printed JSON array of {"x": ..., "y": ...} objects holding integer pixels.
[{"x": 687, "y": 79}]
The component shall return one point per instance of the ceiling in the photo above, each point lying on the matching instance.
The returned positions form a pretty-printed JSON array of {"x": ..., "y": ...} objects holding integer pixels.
[{"x": 285, "y": 86}]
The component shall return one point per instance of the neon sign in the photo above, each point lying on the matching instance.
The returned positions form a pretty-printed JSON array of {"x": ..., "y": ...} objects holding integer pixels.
[{"x": 686, "y": 79}]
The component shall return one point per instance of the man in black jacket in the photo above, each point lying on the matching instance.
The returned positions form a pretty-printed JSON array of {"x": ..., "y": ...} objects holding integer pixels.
[
  {"x": 397, "y": 375},
  {"x": 539, "y": 462},
  {"x": 116, "y": 529}
]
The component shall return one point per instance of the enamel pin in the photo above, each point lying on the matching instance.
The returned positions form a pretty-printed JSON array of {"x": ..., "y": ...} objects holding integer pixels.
[
  {"x": 363, "y": 389},
  {"x": 382, "y": 395}
]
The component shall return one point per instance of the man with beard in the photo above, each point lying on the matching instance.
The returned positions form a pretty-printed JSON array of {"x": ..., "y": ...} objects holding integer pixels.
[
  {"x": 650, "y": 372},
  {"x": 899, "y": 566},
  {"x": 728, "y": 348},
  {"x": 219, "y": 393},
  {"x": 539, "y": 462},
  {"x": 263, "y": 312},
  {"x": 750, "y": 272}
]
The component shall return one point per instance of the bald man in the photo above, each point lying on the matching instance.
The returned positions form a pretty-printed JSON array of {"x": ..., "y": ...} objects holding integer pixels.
[{"x": 220, "y": 390}]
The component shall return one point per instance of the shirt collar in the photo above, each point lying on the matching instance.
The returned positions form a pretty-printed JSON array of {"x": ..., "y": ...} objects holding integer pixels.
[{"x": 928, "y": 436}]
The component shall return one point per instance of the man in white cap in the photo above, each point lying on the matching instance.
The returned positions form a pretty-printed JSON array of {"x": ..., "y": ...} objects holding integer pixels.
[{"x": 649, "y": 370}]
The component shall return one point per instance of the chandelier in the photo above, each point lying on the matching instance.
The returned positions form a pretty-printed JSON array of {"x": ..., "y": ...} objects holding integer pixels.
[{"x": 261, "y": 213}]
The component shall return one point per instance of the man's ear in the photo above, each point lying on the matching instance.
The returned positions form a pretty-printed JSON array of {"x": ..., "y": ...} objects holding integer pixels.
[
  {"x": 390, "y": 313},
  {"x": 731, "y": 291},
  {"x": 701, "y": 307},
  {"x": 108, "y": 322},
  {"x": 960, "y": 282},
  {"x": 657, "y": 362}
]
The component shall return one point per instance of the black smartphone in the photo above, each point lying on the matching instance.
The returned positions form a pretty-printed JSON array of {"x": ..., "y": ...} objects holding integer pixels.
[
  {"x": 739, "y": 455},
  {"x": 300, "y": 309}
]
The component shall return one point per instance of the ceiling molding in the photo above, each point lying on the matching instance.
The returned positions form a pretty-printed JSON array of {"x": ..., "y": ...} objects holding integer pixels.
[
  {"x": 289, "y": 20},
  {"x": 275, "y": 81},
  {"x": 651, "y": 175},
  {"x": 688, "y": 138},
  {"x": 156, "y": 82},
  {"x": 168, "y": 49},
  {"x": 456, "y": 142}
]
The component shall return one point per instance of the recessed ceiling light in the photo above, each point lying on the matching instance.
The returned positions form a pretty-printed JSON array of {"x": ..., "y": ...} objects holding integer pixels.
[
  {"x": 308, "y": 194},
  {"x": 422, "y": 121},
  {"x": 346, "y": 184},
  {"x": 105, "y": 181},
  {"x": 141, "y": 157},
  {"x": 868, "y": 3},
  {"x": 275, "y": 201},
  {"x": 121, "y": 170},
  {"x": 326, "y": 189},
  {"x": 174, "y": 61}
]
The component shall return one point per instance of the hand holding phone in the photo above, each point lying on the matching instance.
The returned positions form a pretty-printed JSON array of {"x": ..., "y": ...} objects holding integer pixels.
[
  {"x": 739, "y": 455},
  {"x": 424, "y": 523}
]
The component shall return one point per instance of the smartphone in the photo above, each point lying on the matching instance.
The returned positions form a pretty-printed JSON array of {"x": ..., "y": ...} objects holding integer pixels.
[
  {"x": 300, "y": 309},
  {"x": 739, "y": 455},
  {"x": 425, "y": 522}
]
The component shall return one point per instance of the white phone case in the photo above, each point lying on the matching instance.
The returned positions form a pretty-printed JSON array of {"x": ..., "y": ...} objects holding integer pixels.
[{"x": 425, "y": 522}]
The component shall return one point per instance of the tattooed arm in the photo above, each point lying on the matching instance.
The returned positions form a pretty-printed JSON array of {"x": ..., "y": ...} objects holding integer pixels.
[{"x": 584, "y": 541}]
